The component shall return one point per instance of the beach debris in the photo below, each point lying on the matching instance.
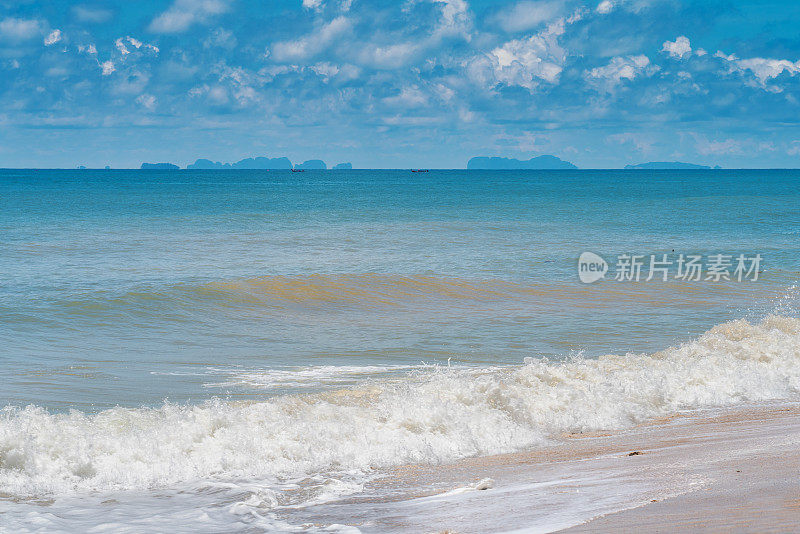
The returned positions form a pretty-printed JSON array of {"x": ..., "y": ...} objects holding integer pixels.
[
  {"x": 484, "y": 484},
  {"x": 635, "y": 453}
]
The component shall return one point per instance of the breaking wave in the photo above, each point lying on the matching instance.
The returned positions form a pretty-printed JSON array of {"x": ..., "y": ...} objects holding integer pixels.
[{"x": 430, "y": 416}]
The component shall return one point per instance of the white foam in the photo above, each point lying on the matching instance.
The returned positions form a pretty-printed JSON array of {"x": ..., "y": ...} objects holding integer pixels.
[
  {"x": 312, "y": 376},
  {"x": 433, "y": 416}
]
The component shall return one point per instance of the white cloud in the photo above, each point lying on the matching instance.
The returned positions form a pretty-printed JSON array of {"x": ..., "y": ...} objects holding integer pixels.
[
  {"x": 89, "y": 49},
  {"x": 605, "y": 7},
  {"x": 328, "y": 70},
  {"x": 52, "y": 38},
  {"x": 19, "y": 30},
  {"x": 641, "y": 142},
  {"x": 523, "y": 62},
  {"x": 386, "y": 57},
  {"x": 184, "y": 13},
  {"x": 722, "y": 55},
  {"x": 727, "y": 146},
  {"x": 312, "y": 4},
  {"x": 679, "y": 48},
  {"x": 137, "y": 44},
  {"x": 121, "y": 47},
  {"x": 146, "y": 101},
  {"x": 216, "y": 95},
  {"x": 312, "y": 45},
  {"x": 91, "y": 15},
  {"x": 107, "y": 67},
  {"x": 455, "y": 19},
  {"x": 221, "y": 38},
  {"x": 763, "y": 69},
  {"x": 409, "y": 97},
  {"x": 528, "y": 14},
  {"x": 453, "y": 22},
  {"x": 618, "y": 69},
  {"x": 766, "y": 69}
]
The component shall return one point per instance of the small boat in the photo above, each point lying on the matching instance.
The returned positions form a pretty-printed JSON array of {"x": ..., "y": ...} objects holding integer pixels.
[
  {"x": 420, "y": 170},
  {"x": 298, "y": 170}
]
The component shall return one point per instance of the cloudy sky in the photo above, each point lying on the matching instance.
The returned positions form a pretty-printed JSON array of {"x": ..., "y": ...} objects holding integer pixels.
[{"x": 399, "y": 83}]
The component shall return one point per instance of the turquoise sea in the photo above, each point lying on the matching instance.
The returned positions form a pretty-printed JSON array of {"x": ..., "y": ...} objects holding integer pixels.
[{"x": 225, "y": 348}]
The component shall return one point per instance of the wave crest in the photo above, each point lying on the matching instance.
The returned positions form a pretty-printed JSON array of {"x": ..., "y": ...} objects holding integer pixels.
[{"x": 434, "y": 415}]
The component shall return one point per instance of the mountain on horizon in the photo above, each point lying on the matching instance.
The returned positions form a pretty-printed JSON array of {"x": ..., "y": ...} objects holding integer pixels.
[
  {"x": 667, "y": 165},
  {"x": 545, "y": 162},
  {"x": 247, "y": 163},
  {"x": 159, "y": 166},
  {"x": 312, "y": 164}
]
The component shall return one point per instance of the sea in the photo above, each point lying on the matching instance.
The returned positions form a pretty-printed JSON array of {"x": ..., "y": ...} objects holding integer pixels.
[{"x": 230, "y": 351}]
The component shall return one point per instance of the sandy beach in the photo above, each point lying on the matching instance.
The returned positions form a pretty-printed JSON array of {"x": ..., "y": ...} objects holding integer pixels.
[
  {"x": 747, "y": 462},
  {"x": 730, "y": 470}
]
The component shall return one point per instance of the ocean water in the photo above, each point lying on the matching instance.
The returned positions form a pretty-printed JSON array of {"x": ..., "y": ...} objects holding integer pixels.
[{"x": 219, "y": 350}]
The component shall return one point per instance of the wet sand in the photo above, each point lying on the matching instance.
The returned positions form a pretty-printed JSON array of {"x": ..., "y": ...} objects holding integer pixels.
[
  {"x": 727, "y": 470},
  {"x": 749, "y": 462}
]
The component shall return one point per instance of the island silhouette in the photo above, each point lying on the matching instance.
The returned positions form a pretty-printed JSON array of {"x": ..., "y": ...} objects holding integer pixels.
[
  {"x": 545, "y": 162},
  {"x": 667, "y": 165}
]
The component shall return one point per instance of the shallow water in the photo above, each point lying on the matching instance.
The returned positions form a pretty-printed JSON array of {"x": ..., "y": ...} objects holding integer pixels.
[{"x": 222, "y": 338}]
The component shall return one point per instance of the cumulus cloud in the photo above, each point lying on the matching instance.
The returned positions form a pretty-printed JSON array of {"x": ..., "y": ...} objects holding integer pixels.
[
  {"x": 605, "y": 7},
  {"x": 107, "y": 67},
  {"x": 16, "y": 30},
  {"x": 52, "y": 38},
  {"x": 618, "y": 69},
  {"x": 762, "y": 69},
  {"x": 454, "y": 20},
  {"x": 185, "y": 13},
  {"x": 312, "y": 4},
  {"x": 679, "y": 48},
  {"x": 120, "y": 44},
  {"x": 765, "y": 69},
  {"x": 523, "y": 62}
]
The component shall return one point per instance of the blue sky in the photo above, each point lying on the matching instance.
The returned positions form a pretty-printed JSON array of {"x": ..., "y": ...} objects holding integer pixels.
[{"x": 399, "y": 83}]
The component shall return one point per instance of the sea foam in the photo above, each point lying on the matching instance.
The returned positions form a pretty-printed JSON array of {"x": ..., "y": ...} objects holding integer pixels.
[{"x": 430, "y": 416}]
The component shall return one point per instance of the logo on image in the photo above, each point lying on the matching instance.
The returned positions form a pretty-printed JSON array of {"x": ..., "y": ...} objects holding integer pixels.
[{"x": 591, "y": 267}]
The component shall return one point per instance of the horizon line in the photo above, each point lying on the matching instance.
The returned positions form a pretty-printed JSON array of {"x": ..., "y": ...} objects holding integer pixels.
[{"x": 395, "y": 169}]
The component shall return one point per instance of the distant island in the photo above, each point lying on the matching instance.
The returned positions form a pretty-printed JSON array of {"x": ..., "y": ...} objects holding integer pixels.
[
  {"x": 159, "y": 166},
  {"x": 545, "y": 162},
  {"x": 312, "y": 165},
  {"x": 247, "y": 163},
  {"x": 667, "y": 165},
  {"x": 539, "y": 163}
]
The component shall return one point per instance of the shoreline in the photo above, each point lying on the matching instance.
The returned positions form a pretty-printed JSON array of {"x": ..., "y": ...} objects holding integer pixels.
[
  {"x": 749, "y": 466},
  {"x": 724, "y": 469}
]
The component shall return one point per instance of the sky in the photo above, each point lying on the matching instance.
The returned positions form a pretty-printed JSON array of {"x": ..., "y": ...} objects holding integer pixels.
[{"x": 399, "y": 83}]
